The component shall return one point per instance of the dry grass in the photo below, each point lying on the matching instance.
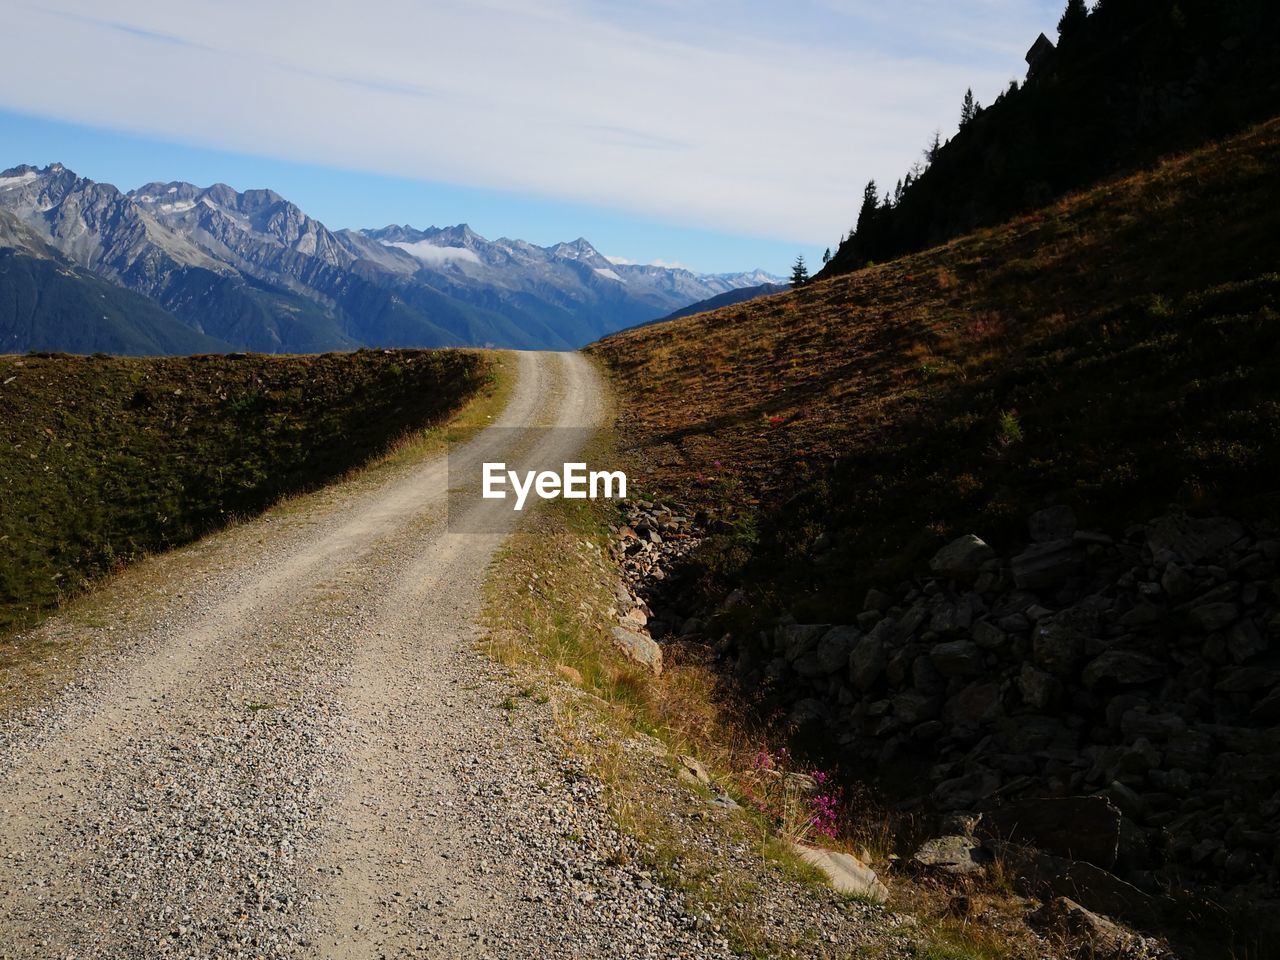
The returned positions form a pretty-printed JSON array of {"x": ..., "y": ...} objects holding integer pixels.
[{"x": 959, "y": 388}]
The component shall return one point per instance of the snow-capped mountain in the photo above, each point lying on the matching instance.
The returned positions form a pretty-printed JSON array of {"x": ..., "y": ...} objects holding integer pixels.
[{"x": 255, "y": 271}]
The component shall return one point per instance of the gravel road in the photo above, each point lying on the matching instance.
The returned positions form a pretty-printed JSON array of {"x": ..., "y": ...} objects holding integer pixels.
[{"x": 299, "y": 754}]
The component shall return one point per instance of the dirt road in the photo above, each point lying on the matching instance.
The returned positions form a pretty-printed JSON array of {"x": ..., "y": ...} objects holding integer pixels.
[{"x": 300, "y": 753}]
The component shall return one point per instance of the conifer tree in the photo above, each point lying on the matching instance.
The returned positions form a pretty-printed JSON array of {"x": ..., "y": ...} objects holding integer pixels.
[
  {"x": 799, "y": 272},
  {"x": 968, "y": 108},
  {"x": 1073, "y": 18}
]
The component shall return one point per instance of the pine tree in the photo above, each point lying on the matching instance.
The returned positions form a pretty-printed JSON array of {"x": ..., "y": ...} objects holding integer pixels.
[
  {"x": 933, "y": 149},
  {"x": 826, "y": 256},
  {"x": 1073, "y": 19},
  {"x": 799, "y": 272},
  {"x": 968, "y": 108},
  {"x": 870, "y": 207}
]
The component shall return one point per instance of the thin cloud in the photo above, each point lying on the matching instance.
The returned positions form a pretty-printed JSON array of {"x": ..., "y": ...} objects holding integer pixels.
[{"x": 766, "y": 127}]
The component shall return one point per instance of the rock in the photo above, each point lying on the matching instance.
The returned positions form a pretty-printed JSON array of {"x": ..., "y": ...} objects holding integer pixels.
[
  {"x": 692, "y": 770},
  {"x": 830, "y": 656},
  {"x": 925, "y": 678},
  {"x": 569, "y": 673},
  {"x": 954, "y": 854},
  {"x": 1053, "y": 523},
  {"x": 1212, "y": 617},
  {"x": 962, "y": 558},
  {"x": 638, "y": 648},
  {"x": 1141, "y": 615},
  {"x": 1152, "y": 726},
  {"x": 867, "y": 661},
  {"x": 797, "y": 639},
  {"x": 1100, "y": 890},
  {"x": 1123, "y": 668},
  {"x": 1077, "y": 828},
  {"x": 1246, "y": 641},
  {"x": 877, "y": 600},
  {"x": 846, "y": 873},
  {"x": 1247, "y": 679},
  {"x": 989, "y": 636},
  {"x": 1191, "y": 540},
  {"x": 976, "y": 704},
  {"x": 958, "y": 658},
  {"x": 959, "y": 793},
  {"x": 1038, "y": 688},
  {"x": 1046, "y": 564},
  {"x": 1176, "y": 582},
  {"x": 1100, "y": 938},
  {"x": 1058, "y": 641},
  {"x": 913, "y": 707}
]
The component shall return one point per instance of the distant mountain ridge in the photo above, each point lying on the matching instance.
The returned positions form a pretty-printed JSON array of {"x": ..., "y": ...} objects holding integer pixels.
[
  {"x": 254, "y": 272},
  {"x": 728, "y": 299}
]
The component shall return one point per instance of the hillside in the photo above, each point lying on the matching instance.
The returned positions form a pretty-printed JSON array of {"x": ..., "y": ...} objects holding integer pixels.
[
  {"x": 104, "y": 459},
  {"x": 1111, "y": 358},
  {"x": 1127, "y": 83},
  {"x": 958, "y": 388}
]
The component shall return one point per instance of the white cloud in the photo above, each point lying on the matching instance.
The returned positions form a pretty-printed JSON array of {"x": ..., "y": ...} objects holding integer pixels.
[
  {"x": 428, "y": 252},
  {"x": 721, "y": 119}
]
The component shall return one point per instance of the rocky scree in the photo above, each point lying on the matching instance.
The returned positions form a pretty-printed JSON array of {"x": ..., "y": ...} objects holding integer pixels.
[{"x": 1117, "y": 696}]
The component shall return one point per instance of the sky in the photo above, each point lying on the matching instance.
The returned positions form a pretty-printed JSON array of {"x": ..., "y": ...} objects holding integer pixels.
[{"x": 720, "y": 135}]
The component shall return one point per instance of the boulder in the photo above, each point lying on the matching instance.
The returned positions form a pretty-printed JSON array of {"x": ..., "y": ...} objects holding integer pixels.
[
  {"x": 845, "y": 872},
  {"x": 1124, "y": 668},
  {"x": 831, "y": 654},
  {"x": 867, "y": 661},
  {"x": 914, "y": 707},
  {"x": 1058, "y": 642},
  {"x": 1038, "y": 688},
  {"x": 958, "y": 658},
  {"x": 1100, "y": 890},
  {"x": 1097, "y": 936},
  {"x": 1052, "y": 523},
  {"x": 1047, "y": 564},
  {"x": 796, "y": 639},
  {"x": 960, "y": 793},
  {"x": 692, "y": 770},
  {"x": 638, "y": 648},
  {"x": 976, "y": 704},
  {"x": 1212, "y": 617},
  {"x": 989, "y": 636},
  {"x": 1077, "y": 828},
  {"x": 962, "y": 558},
  {"x": 1191, "y": 540},
  {"x": 954, "y": 854}
]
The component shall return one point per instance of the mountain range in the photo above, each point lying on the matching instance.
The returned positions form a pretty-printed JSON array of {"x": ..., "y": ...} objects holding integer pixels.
[{"x": 177, "y": 268}]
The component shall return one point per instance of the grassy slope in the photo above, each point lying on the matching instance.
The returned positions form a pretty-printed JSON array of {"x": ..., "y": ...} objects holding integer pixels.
[
  {"x": 103, "y": 459},
  {"x": 1114, "y": 351}
]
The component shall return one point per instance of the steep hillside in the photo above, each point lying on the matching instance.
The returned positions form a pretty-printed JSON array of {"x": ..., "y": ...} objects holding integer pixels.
[
  {"x": 102, "y": 459},
  {"x": 1113, "y": 352},
  {"x": 1127, "y": 83},
  {"x": 47, "y": 302}
]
